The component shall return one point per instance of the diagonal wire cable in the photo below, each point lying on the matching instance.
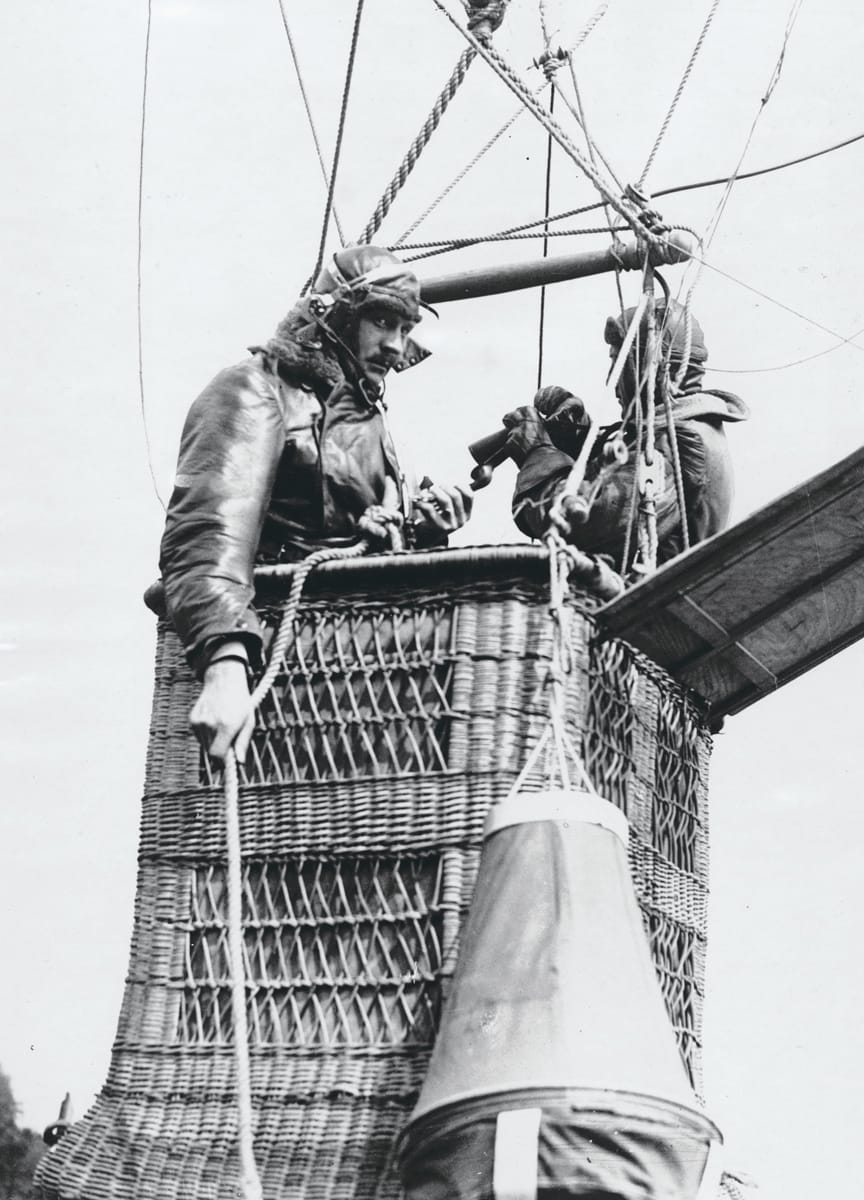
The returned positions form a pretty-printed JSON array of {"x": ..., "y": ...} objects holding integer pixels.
[
  {"x": 140, "y": 255},
  {"x": 309, "y": 117}
]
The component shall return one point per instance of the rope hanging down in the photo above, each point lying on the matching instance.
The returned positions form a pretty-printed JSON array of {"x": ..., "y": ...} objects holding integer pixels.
[
  {"x": 352, "y": 54},
  {"x": 249, "y": 1179}
]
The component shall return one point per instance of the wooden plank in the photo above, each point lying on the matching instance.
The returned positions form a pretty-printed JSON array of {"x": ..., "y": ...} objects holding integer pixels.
[{"x": 761, "y": 603}]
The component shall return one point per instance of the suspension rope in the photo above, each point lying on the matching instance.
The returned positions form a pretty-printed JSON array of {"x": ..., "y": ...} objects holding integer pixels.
[
  {"x": 547, "y": 194},
  {"x": 249, "y": 1179},
  {"x": 679, "y": 91},
  {"x": 585, "y": 33},
  {"x": 592, "y": 151},
  {"x": 669, "y": 191},
  {"x": 140, "y": 257},
  {"x": 511, "y": 79},
  {"x": 714, "y": 223},
  {"x": 458, "y": 178},
  {"x": 419, "y": 144},
  {"x": 338, "y": 148},
  {"x": 309, "y": 118}
]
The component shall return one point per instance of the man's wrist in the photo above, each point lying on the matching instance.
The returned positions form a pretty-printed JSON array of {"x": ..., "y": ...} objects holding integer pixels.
[{"x": 231, "y": 652}]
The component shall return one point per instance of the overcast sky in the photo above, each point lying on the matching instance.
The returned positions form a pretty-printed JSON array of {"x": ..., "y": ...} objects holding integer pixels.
[{"x": 232, "y": 208}]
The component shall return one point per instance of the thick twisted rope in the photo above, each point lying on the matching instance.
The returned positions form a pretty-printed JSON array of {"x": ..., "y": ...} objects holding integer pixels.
[
  {"x": 250, "y": 1183},
  {"x": 419, "y": 144},
  {"x": 505, "y": 72},
  {"x": 343, "y": 112},
  {"x": 585, "y": 33}
]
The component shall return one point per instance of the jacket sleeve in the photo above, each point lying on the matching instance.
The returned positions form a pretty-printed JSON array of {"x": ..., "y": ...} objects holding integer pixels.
[
  {"x": 229, "y": 453},
  {"x": 540, "y": 479}
]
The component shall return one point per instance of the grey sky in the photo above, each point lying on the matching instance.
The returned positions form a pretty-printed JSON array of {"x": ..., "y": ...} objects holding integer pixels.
[{"x": 232, "y": 206}]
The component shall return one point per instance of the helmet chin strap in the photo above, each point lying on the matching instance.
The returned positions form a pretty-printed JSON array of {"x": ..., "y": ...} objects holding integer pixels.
[{"x": 373, "y": 395}]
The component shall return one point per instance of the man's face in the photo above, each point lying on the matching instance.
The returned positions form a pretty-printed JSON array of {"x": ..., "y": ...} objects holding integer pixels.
[{"x": 380, "y": 342}]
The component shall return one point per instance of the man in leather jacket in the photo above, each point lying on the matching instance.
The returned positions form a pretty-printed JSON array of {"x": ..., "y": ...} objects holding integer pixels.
[
  {"x": 284, "y": 454},
  {"x": 545, "y": 441}
]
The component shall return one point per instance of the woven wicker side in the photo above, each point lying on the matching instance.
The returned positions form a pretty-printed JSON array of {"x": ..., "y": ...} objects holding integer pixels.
[{"x": 403, "y": 711}]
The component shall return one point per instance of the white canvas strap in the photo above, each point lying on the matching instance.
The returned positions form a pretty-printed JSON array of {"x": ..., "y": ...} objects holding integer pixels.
[
  {"x": 558, "y": 805},
  {"x": 514, "y": 1174}
]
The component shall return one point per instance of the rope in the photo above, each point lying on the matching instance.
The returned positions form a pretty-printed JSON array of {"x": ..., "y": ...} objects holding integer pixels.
[
  {"x": 684, "y": 187},
  {"x": 249, "y": 1179},
  {"x": 139, "y": 271},
  {"x": 250, "y": 1182},
  {"x": 714, "y": 223},
  {"x": 585, "y": 33},
  {"x": 678, "y": 93},
  {"x": 308, "y": 108},
  {"x": 554, "y": 739},
  {"x": 498, "y": 64},
  {"x": 419, "y": 144},
  {"x": 592, "y": 151},
  {"x": 785, "y": 366},
  {"x": 547, "y": 194},
  {"x": 349, "y": 72},
  {"x": 458, "y": 178}
]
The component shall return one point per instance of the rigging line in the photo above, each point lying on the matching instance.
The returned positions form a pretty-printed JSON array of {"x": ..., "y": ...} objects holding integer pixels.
[
  {"x": 420, "y": 142},
  {"x": 679, "y": 91},
  {"x": 785, "y": 366},
  {"x": 689, "y": 187},
  {"x": 308, "y": 108},
  {"x": 547, "y": 196},
  {"x": 509, "y": 77},
  {"x": 458, "y": 179},
  {"x": 848, "y": 341},
  {"x": 583, "y": 36},
  {"x": 775, "y": 79},
  {"x": 591, "y": 151},
  {"x": 448, "y": 244},
  {"x": 349, "y": 72},
  {"x": 714, "y": 224},
  {"x": 139, "y": 271}
]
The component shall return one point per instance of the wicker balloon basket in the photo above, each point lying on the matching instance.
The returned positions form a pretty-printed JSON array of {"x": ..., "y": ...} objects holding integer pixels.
[{"x": 407, "y": 704}]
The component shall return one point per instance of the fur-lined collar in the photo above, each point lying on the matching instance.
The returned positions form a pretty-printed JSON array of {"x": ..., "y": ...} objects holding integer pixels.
[{"x": 303, "y": 350}]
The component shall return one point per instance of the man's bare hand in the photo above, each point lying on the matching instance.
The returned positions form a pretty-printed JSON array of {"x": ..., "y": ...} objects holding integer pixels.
[
  {"x": 222, "y": 716},
  {"x": 444, "y": 508}
]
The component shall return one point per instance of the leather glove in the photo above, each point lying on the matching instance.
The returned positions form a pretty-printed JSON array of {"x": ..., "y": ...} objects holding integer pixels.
[
  {"x": 565, "y": 415},
  {"x": 526, "y": 432}
]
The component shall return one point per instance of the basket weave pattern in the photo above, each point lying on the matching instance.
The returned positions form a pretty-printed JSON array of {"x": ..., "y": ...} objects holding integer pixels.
[{"x": 390, "y": 730}]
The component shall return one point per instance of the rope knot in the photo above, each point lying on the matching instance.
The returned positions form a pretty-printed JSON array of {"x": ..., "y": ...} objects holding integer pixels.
[
  {"x": 485, "y": 17},
  {"x": 380, "y": 524},
  {"x": 551, "y": 61},
  {"x": 649, "y": 217}
]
